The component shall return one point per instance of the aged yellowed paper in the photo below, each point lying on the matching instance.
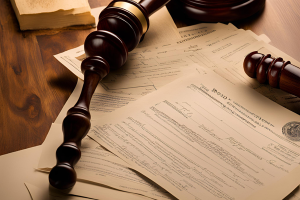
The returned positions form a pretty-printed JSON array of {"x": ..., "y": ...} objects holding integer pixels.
[
  {"x": 87, "y": 190},
  {"x": 149, "y": 68},
  {"x": 100, "y": 166},
  {"x": 203, "y": 138}
]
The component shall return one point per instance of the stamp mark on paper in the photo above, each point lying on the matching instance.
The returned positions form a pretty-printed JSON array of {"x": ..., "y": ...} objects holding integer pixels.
[{"x": 292, "y": 130}]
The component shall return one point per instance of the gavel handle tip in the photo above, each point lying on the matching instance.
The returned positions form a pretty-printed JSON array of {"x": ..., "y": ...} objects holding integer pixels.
[{"x": 62, "y": 176}]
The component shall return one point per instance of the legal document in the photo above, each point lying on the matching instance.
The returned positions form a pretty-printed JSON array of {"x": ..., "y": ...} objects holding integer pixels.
[
  {"x": 13, "y": 178},
  {"x": 91, "y": 191},
  {"x": 40, "y": 194},
  {"x": 38, "y": 186},
  {"x": 200, "y": 137},
  {"x": 99, "y": 166},
  {"x": 161, "y": 31},
  {"x": 148, "y": 68},
  {"x": 221, "y": 49},
  {"x": 73, "y": 57}
]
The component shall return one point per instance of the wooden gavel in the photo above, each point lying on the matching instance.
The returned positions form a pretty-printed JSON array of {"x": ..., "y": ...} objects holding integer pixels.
[
  {"x": 122, "y": 25},
  {"x": 275, "y": 71}
]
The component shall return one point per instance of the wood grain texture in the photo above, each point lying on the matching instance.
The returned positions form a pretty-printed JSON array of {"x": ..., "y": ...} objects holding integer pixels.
[
  {"x": 25, "y": 96},
  {"x": 280, "y": 21},
  {"x": 34, "y": 85}
]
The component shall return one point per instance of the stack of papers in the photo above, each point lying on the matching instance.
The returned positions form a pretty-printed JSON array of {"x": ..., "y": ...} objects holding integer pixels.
[
  {"x": 217, "y": 47},
  {"x": 48, "y": 14},
  {"x": 225, "y": 158},
  {"x": 180, "y": 121}
]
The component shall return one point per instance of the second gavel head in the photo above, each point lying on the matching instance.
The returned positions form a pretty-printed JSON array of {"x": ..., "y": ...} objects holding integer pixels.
[
  {"x": 264, "y": 68},
  {"x": 275, "y": 71}
]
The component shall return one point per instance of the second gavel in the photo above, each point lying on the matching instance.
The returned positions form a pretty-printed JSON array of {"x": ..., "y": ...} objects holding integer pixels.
[
  {"x": 275, "y": 71},
  {"x": 122, "y": 25}
]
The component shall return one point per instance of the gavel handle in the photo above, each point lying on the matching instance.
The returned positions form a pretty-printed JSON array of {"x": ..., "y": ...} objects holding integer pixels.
[
  {"x": 76, "y": 125},
  {"x": 275, "y": 71},
  {"x": 107, "y": 48}
]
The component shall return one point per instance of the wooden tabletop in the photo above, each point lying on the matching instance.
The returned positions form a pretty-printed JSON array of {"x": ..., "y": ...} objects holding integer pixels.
[{"x": 34, "y": 85}]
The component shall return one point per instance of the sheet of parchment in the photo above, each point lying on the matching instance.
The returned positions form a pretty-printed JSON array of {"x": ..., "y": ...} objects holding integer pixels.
[{"x": 204, "y": 138}]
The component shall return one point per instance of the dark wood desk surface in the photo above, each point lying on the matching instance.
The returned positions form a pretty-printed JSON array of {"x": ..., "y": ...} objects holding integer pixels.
[{"x": 34, "y": 85}]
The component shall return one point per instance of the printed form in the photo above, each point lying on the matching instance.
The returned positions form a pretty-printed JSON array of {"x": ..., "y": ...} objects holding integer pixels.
[
  {"x": 200, "y": 137},
  {"x": 99, "y": 166},
  {"x": 147, "y": 69}
]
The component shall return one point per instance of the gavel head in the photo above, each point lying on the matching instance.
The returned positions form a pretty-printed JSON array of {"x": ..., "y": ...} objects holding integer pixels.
[
  {"x": 126, "y": 19},
  {"x": 264, "y": 68},
  {"x": 120, "y": 28}
]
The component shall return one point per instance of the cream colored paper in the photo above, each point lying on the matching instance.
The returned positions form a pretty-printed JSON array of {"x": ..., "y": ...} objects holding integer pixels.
[
  {"x": 142, "y": 58},
  {"x": 232, "y": 70},
  {"x": 202, "y": 137},
  {"x": 162, "y": 29},
  {"x": 46, "y": 14},
  {"x": 118, "y": 85},
  {"x": 147, "y": 69},
  {"x": 40, "y": 180},
  {"x": 209, "y": 52},
  {"x": 39, "y": 194},
  {"x": 34, "y": 7},
  {"x": 226, "y": 59},
  {"x": 15, "y": 169},
  {"x": 106, "y": 100},
  {"x": 19, "y": 167},
  {"x": 102, "y": 101},
  {"x": 198, "y": 29},
  {"x": 197, "y": 37},
  {"x": 73, "y": 57},
  {"x": 100, "y": 166},
  {"x": 212, "y": 45}
]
